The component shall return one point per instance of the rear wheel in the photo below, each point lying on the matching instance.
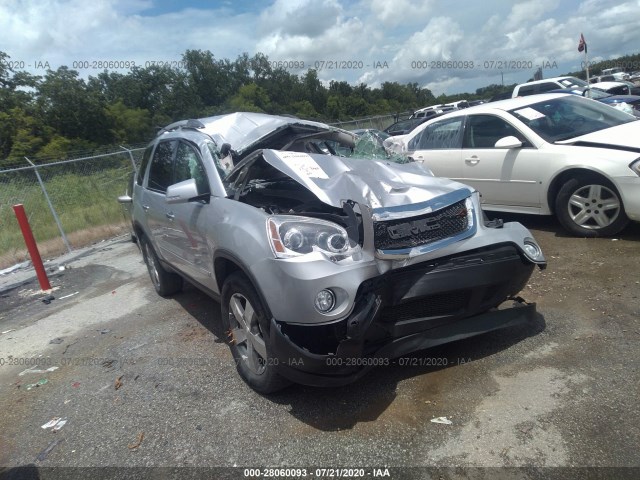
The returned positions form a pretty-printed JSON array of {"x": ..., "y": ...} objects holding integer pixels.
[
  {"x": 590, "y": 207},
  {"x": 166, "y": 283},
  {"x": 244, "y": 318}
]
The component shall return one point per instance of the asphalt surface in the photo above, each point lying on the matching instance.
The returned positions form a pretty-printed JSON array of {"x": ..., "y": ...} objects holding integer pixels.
[{"x": 144, "y": 381}]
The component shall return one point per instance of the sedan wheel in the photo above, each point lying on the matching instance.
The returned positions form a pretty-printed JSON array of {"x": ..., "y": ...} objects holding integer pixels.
[{"x": 590, "y": 208}]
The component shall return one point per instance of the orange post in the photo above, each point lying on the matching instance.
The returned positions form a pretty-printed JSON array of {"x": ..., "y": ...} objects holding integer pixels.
[{"x": 32, "y": 247}]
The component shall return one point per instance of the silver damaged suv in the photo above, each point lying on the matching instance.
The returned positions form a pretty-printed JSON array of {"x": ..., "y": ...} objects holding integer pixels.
[{"x": 324, "y": 264}]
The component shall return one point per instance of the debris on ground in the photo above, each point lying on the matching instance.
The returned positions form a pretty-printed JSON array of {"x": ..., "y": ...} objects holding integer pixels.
[
  {"x": 42, "y": 381},
  {"x": 18, "y": 266},
  {"x": 75, "y": 384},
  {"x": 443, "y": 420},
  {"x": 56, "y": 423},
  {"x": 44, "y": 453},
  {"x": 118, "y": 383},
  {"x": 56, "y": 340},
  {"x": 103, "y": 331},
  {"x": 108, "y": 363},
  {"x": 133, "y": 446},
  {"x": 37, "y": 370},
  {"x": 47, "y": 300}
]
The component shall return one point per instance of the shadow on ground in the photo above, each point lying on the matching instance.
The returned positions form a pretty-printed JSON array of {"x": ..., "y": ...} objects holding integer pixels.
[{"x": 341, "y": 408}]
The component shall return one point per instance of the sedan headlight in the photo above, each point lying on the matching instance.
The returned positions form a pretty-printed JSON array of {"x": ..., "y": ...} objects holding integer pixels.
[
  {"x": 635, "y": 166},
  {"x": 292, "y": 236}
]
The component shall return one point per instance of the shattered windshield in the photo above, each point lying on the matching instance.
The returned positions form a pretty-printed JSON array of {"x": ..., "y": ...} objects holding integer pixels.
[
  {"x": 369, "y": 145},
  {"x": 223, "y": 165}
]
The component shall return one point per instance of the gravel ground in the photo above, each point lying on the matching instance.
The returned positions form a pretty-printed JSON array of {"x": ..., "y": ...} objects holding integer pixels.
[{"x": 147, "y": 382}]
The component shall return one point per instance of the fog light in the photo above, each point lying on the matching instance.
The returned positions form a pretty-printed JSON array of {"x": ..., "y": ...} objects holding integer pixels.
[
  {"x": 325, "y": 301},
  {"x": 533, "y": 250}
]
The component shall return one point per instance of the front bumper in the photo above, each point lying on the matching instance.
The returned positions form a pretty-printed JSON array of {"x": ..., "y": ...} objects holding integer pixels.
[
  {"x": 629, "y": 188},
  {"x": 404, "y": 311}
]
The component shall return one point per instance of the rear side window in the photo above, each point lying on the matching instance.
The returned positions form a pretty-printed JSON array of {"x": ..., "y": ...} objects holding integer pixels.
[
  {"x": 143, "y": 165},
  {"x": 547, "y": 87},
  {"x": 160, "y": 170},
  {"x": 526, "y": 90},
  {"x": 438, "y": 135}
]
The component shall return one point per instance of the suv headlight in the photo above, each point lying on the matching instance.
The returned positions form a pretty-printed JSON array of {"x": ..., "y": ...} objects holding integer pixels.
[
  {"x": 292, "y": 236},
  {"x": 635, "y": 166}
]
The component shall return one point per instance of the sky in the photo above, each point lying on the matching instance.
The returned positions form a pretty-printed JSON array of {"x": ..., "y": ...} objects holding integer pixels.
[{"x": 448, "y": 47}]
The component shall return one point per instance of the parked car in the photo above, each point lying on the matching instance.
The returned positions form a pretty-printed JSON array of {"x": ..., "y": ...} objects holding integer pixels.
[
  {"x": 544, "y": 154},
  {"x": 627, "y": 103},
  {"x": 402, "y": 127},
  {"x": 324, "y": 266},
  {"x": 434, "y": 110},
  {"x": 546, "y": 85},
  {"x": 617, "y": 73},
  {"x": 617, "y": 88}
]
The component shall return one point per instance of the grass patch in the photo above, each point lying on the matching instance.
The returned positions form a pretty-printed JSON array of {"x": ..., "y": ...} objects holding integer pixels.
[{"x": 84, "y": 197}]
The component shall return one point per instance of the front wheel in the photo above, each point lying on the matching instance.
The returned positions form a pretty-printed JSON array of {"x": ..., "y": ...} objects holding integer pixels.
[
  {"x": 243, "y": 318},
  {"x": 590, "y": 207}
]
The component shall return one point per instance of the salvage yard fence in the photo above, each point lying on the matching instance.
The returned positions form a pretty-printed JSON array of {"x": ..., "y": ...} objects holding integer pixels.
[
  {"x": 69, "y": 203},
  {"x": 377, "y": 122}
]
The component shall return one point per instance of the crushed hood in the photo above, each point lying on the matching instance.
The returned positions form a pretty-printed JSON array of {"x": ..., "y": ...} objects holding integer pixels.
[
  {"x": 246, "y": 131},
  {"x": 377, "y": 184}
]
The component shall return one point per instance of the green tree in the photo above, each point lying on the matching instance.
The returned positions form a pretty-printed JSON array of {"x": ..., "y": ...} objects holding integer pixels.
[
  {"x": 130, "y": 125},
  {"x": 250, "y": 98},
  {"x": 71, "y": 109}
]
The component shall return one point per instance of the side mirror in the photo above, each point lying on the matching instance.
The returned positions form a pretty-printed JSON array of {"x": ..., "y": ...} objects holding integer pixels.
[
  {"x": 181, "y": 192},
  {"x": 508, "y": 142},
  {"x": 124, "y": 199}
]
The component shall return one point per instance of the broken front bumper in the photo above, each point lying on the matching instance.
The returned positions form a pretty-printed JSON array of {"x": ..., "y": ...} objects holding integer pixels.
[{"x": 405, "y": 311}]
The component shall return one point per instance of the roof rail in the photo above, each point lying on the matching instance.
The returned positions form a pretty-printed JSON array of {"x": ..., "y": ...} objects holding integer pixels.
[{"x": 191, "y": 124}]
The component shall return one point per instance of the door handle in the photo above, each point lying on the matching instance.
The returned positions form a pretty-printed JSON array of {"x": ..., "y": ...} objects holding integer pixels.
[
  {"x": 170, "y": 215},
  {"x": 473, "y": 160},
  {"x": 145, "y": 207}
]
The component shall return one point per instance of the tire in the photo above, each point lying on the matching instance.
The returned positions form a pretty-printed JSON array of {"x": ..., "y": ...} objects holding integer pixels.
[
  {"x": 590, "y": 207},
  {"x": 244, "y": 320},
  {"x": 166, "y": 283}
]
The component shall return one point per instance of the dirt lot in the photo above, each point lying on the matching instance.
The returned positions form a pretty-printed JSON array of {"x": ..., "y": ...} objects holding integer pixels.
[{"x": 147, "y": 382}]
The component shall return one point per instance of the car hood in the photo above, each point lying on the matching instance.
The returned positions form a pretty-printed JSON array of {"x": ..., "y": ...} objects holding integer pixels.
[
  {"x": 378, "y": 184},
  {"x": 247, "y": 132},
  {"x": 621, "y": 137}
]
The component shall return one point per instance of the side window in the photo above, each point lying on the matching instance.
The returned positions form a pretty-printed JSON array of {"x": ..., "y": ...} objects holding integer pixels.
[
  {"x": 188, "y": 165},
  {"x": 483, "y": 131},
  {"x": 160, "y": 170},
  {"x": 526, "y": 90},
  {"x": 143, "y": 165},
  {"x": 547, "y": 87},
  {"x": 438, "y": 135}
]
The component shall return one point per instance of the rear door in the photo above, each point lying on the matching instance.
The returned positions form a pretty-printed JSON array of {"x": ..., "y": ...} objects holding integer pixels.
[
  {"x": 153, "y": 201},
  {"x": 438, "y": 147}
]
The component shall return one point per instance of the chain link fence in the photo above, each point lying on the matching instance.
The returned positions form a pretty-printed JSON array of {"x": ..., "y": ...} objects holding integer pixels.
[
  {"x": 73, "y": 202},
  {"x": 69, "y": 203},
  {"x": 377, "y": 122}
]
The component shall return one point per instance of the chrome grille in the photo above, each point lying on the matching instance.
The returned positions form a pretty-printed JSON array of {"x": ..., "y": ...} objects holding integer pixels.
[{"x": 421, "y": 230}]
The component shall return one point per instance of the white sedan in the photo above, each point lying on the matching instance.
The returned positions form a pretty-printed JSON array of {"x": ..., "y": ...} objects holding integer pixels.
[{"x": 543, "y": 154}]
